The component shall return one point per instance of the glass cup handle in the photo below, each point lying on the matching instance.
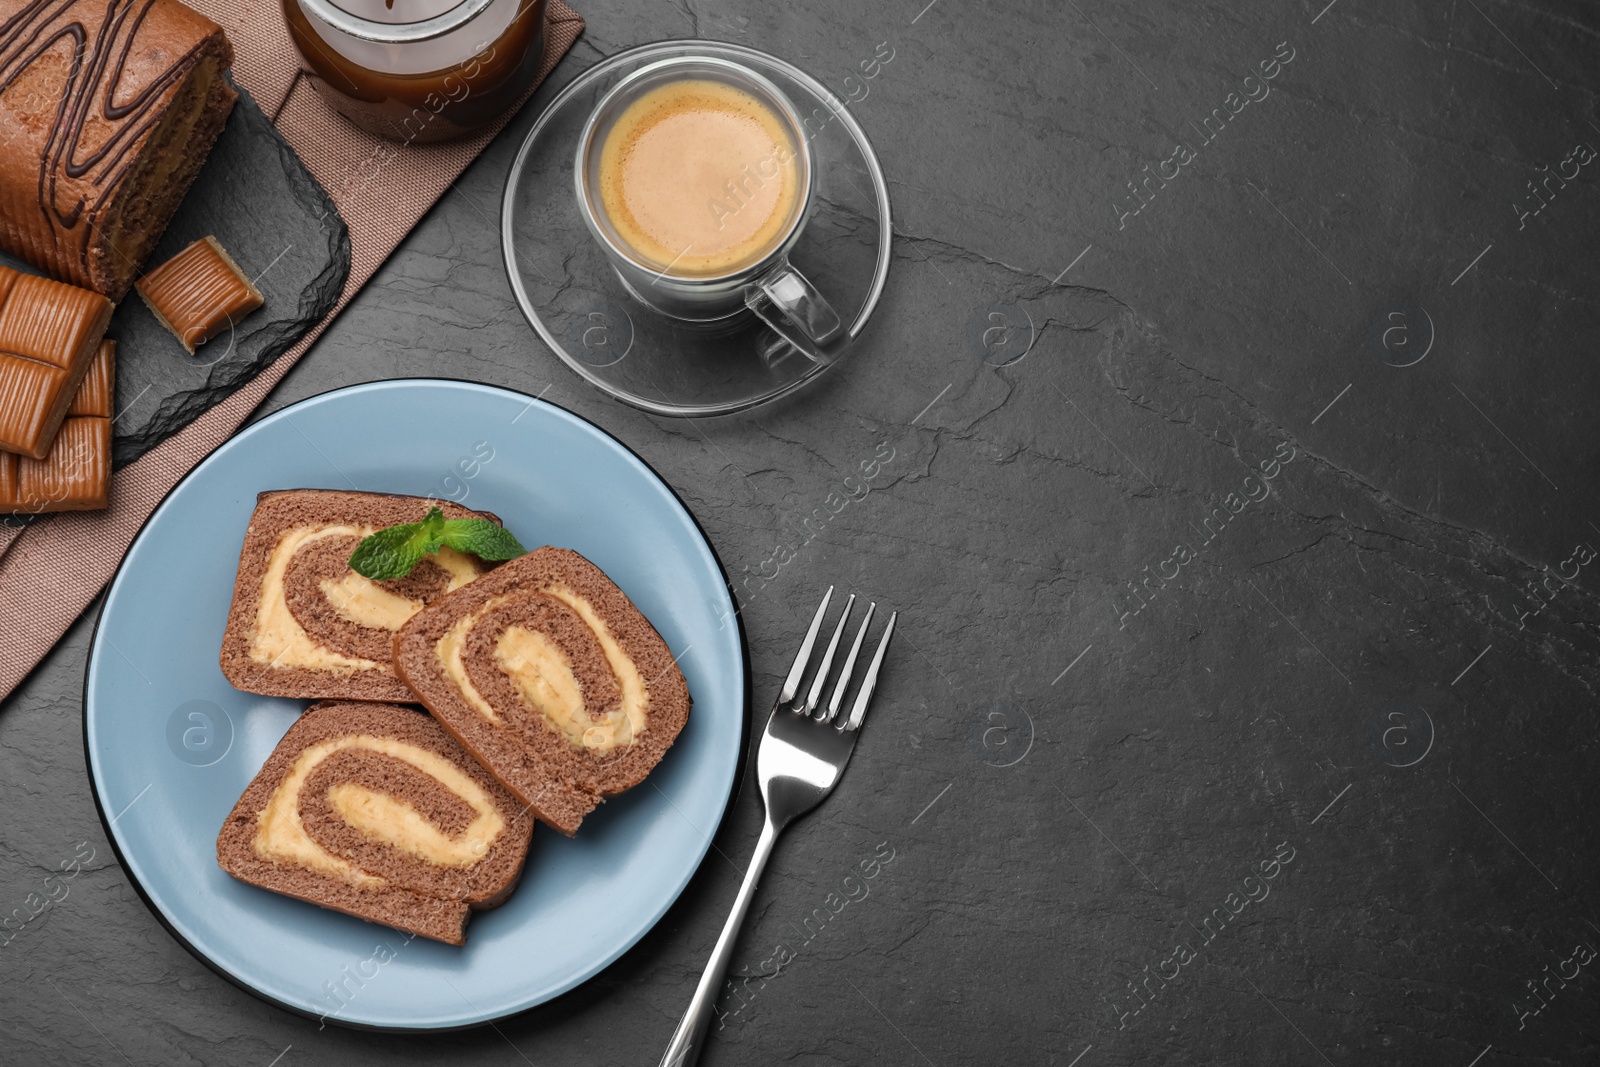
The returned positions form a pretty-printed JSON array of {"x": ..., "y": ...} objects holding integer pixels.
[{"x": 802, "y": 316}]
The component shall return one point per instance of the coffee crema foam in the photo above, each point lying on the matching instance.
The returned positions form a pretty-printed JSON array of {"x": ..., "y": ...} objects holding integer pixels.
[{"x": 699, "y": 178}]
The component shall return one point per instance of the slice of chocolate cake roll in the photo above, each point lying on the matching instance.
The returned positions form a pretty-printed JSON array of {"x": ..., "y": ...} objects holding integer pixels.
[
  {"x": 108, "y": 109},
  {"x": 546, "y": 672},
  {"x": 373, "y": 810},
  {"x": 303, "y": 624}
]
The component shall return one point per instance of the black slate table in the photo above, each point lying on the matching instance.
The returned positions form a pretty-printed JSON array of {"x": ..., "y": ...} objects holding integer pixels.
[{"x": 1237, "y": 367}]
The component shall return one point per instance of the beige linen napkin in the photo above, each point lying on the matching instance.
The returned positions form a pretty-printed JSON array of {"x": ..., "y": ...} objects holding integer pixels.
[{"x": 51, "y": 570}]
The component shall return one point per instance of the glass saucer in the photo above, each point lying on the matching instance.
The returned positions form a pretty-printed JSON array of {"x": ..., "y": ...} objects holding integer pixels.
[{"x": 569, "y": 292}]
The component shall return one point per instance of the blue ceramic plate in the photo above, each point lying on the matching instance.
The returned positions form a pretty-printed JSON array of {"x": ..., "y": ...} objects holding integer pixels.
[{"x": 171, "y": 745}]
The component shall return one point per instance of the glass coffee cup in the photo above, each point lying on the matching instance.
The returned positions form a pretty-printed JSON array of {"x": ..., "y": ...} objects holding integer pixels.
[{"x": 695, "y": 176}]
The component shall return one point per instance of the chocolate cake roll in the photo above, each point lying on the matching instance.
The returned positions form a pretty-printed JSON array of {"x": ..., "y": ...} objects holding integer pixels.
[
  {"x": 303, "y": 624},
  {"x": 108, "y": 109},
  {"x": 373, "y": 810},
  {"x": 546, "y": 672}
]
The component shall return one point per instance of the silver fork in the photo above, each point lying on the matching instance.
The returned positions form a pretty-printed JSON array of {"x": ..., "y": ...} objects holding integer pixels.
[{"x": 802, "y": 756}]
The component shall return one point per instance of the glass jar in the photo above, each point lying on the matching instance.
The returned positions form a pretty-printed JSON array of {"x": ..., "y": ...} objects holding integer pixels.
[{"x": 419, "y": 70}]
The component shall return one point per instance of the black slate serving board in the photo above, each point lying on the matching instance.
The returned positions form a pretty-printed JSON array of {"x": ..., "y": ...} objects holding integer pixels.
[{"x": 257, "y": 198}]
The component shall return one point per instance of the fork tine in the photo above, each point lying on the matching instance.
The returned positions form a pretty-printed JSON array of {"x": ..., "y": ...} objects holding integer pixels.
[
  {"x": 791, "y": 684},
  {"x": 849, "y": 666},
  {"x": 814, "y": 697},
  {"x": 859, "y": 710}
]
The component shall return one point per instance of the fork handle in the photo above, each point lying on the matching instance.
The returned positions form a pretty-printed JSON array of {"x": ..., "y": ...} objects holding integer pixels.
[{"x": 689, "y": 1038}]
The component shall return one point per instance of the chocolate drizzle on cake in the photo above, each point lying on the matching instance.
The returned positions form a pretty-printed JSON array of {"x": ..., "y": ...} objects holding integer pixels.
[
  {"x": 82, "y": 88},
  {"x": 120, "y": 84}
]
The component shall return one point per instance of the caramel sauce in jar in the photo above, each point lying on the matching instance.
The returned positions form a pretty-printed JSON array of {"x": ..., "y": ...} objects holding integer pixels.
[{"x": 416, "y": 71}]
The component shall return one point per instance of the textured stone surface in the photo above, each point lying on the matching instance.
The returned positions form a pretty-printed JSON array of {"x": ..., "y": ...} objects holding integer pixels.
[
  {"x": 1352, "y": 672},
  {"x": 276, "y": 222}
]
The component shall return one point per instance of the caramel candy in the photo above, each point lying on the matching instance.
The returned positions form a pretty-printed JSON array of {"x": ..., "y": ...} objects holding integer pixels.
[
  {"x": 199, "y": 292},
  {"x": 99, "y": 385},
  {"x": 76, "y": 475},
  {"x": 48, "y": 335}
]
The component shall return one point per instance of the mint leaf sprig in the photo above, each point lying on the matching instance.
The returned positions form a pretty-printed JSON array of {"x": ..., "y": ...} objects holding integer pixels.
[{"x": 394, "y": 550}]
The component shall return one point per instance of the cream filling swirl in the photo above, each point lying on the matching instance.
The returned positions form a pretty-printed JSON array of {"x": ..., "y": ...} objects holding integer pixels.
[
  {"x": 278, "y": 639},
  {"x": 281, "y": 834},
  {"x": 543, "y": 675}
]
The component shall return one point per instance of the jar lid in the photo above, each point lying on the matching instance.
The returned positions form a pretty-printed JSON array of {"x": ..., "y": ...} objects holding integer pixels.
[
  {"x": 397, "y": 12},
  {"x": 395, "y": 21}
]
